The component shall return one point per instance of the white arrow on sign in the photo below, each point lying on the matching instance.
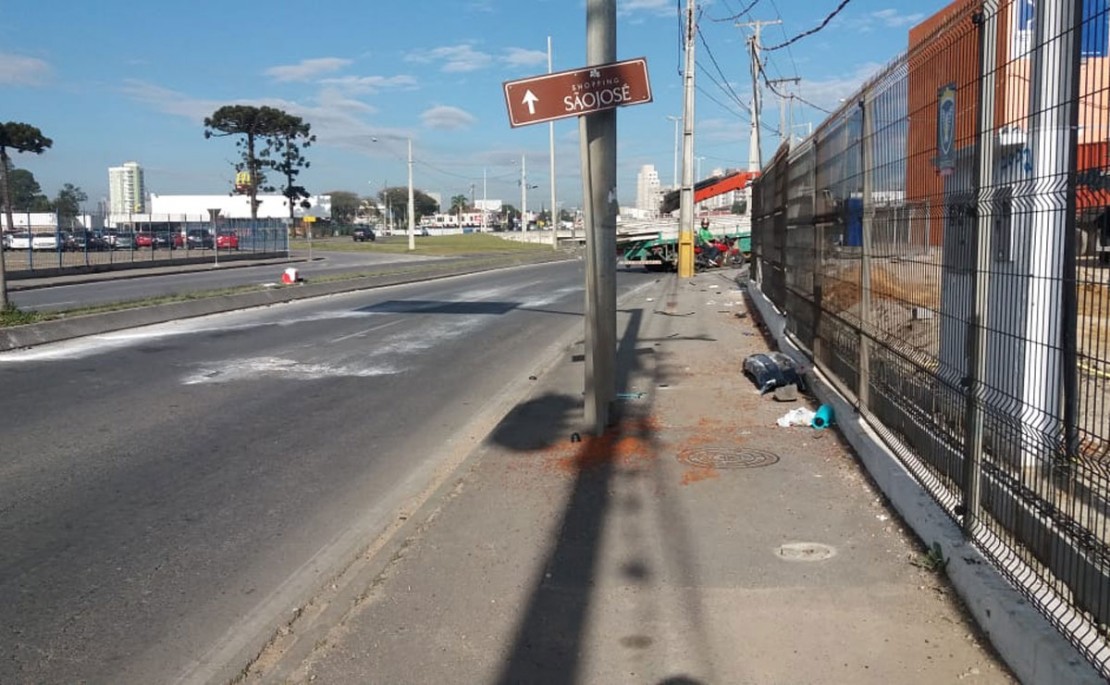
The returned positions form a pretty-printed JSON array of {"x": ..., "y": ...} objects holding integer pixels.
[{"x": 530, "y": 99}]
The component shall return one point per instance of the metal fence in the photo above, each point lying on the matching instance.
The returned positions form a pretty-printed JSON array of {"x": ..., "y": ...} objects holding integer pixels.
[
  {"x": 42, "y": 242},
  {"x": 940, "y": 246}
]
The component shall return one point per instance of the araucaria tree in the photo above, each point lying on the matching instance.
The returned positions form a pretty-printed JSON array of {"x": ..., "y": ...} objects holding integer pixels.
[
  {"x": 284, "y": 155},
  {"x": 256, "y": 126},
  {"x": 17, "y": 137}
]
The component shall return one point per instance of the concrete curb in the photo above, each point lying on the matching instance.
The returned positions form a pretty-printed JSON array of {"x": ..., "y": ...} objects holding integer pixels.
[
  {"x": 1035, "y": 650},
  {"x": 14, "y": 337}
]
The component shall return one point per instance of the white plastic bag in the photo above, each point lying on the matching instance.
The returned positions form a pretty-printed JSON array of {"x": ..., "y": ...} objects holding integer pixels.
[{"x": 799, "y": 416}]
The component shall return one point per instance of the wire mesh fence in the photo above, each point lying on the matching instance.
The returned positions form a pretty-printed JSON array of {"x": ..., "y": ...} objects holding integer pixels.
[
  {"x": 45, "y": 241},
  {"x": 940, "y": 246}
]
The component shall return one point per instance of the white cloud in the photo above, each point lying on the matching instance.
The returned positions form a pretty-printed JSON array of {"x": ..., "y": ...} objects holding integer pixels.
[
  {"x": 893, "y": 19},
  {"x": 519, "y": 57},
  {"x": 336, "y": 120},
  {"x": 828, "y": 93},
  {"x": 20, "y": 70},
  {"x": 452, "y": 58},
  {"x": 307, "y": 69},
  {"x": 369, "y": 84},
  {"x": 447, "y": 118}
]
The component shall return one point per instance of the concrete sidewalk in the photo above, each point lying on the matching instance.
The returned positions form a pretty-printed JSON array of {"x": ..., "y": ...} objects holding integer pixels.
[{"x": 697, "y": 542}]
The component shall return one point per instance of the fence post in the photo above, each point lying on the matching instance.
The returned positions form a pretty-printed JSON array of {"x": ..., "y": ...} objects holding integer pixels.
[
  {"x": 863, "y": 393},
  {"x": 987, "y": 23}
]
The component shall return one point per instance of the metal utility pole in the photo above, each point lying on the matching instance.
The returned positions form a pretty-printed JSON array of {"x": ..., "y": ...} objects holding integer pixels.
[
  {"x": 551, "y": 136},
  {"x": 412, "y": 208},
  {"x": 523, "y": 196},
  {"x": 485, "y": 200},
  {"x": 755, "y": 154},
  {"x": 785, "y": 124},
  {"x": 686, "y": 194},
  {"x": 598, "y": 132}
]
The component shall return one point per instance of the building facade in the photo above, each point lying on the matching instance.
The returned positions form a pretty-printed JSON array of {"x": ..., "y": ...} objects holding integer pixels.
[
  {"x": 648, "y": 190},
  {"x": 126, "y": 189}
]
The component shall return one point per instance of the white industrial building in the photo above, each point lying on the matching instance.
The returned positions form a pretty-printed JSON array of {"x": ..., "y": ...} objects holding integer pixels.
[{"x": 197, "y": 208}]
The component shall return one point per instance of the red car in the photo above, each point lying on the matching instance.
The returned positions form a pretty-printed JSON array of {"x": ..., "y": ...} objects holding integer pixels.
[{"x": 227, "y": 241}]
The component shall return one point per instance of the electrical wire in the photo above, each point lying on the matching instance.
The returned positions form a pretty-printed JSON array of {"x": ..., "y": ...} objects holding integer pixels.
[
  {"x": 727, "y": 87},
  {"x": 823, "y": 24},
  {"x": 741, "y": 13}
]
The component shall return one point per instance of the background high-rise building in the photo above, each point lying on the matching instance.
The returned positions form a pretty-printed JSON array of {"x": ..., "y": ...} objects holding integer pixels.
[
  {"x": 126, "y": 190},
  {"x": 648, "y": 190}
]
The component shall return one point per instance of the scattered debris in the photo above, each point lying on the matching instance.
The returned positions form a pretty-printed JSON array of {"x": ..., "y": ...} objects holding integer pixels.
[
  {"x": 786, "y": 393},
  {"x": 799, "y": 416},
  {"x": 824, "y": 417},
  {"x": 773, "y": 370}
]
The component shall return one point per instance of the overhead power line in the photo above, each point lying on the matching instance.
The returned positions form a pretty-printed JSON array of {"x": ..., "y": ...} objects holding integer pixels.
[
  {"x": 795, "y": 39},
  {"x": 741, "y": 13}
]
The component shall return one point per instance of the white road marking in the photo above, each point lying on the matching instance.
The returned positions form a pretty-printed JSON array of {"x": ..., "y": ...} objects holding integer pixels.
[
  {"x": 232, "y": 370},
  {"x": 368, "y": 330}
]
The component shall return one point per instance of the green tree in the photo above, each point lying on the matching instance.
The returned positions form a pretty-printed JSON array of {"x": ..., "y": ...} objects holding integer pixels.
[
  {"x": 25, "y": 191},
  {"x": 68, "y": 203},
  {"x": 283, "y": 154},
  {"x": 397, "y": 198},
  {"x": 344, "y": 206},
  {"x": 17, "y": 137},
  {"x": 459, "y": 203},
  {"x": 253, "y": 126}
]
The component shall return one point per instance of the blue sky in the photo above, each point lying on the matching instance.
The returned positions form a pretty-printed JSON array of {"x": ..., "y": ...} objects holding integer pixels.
[{"x": 114, "y": 81}]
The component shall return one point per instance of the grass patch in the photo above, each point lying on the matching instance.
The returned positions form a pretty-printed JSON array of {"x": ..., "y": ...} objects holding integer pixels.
[
  {"x": 439, "y": 246},
  {"x": 14, "y": 316}
]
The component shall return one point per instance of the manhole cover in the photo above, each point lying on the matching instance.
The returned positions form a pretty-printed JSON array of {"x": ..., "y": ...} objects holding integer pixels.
[
  {"x": 805, "y": 551},
  {"x": 725, "y": 458}
]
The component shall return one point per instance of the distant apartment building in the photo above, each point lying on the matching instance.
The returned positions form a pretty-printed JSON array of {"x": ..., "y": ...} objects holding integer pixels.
[
  {"x": 126, "y": 190},
  {"x": 648, "y": 190}
]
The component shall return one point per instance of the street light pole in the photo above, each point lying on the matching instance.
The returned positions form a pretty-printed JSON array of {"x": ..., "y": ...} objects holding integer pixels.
[
  {"x": 412, "y": 209},
  {"x": 674, "y": 178},
  {"x": 551, "y": 135},
  {"x": 523, "y": 196}
]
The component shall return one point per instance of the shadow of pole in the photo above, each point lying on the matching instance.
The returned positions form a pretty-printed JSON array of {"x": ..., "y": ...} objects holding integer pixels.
[{"x": 548, "y": 644}]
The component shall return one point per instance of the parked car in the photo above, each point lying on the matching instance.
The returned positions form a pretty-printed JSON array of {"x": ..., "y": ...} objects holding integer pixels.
[
  {"x": 45, "y": 241},
  {"x": 123, "y": 241},
  {"x": 88, "y": 240},
  {"x": 20, "y": 241},
  {"x": 6, "y": 241},
  {"x": 362, "y": 234},
  {"x": 226, "y": 240},
  {"x": 195, "y": 239},
  {"x": 153, "y": 239}
]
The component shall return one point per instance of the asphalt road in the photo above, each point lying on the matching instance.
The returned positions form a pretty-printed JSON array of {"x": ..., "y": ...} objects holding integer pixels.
[
  {"x": 228, "y": 276},
  {"x": 169, "y": 495}
]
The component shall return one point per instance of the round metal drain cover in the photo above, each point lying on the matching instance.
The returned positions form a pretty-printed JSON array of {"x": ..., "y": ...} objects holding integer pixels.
[
  {"x": 725, "y": 458},
  {"x": 805, "y": 551}
]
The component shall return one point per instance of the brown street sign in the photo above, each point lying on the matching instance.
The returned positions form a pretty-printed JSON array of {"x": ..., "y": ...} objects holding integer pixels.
[{"x": 577, "y": 92}]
